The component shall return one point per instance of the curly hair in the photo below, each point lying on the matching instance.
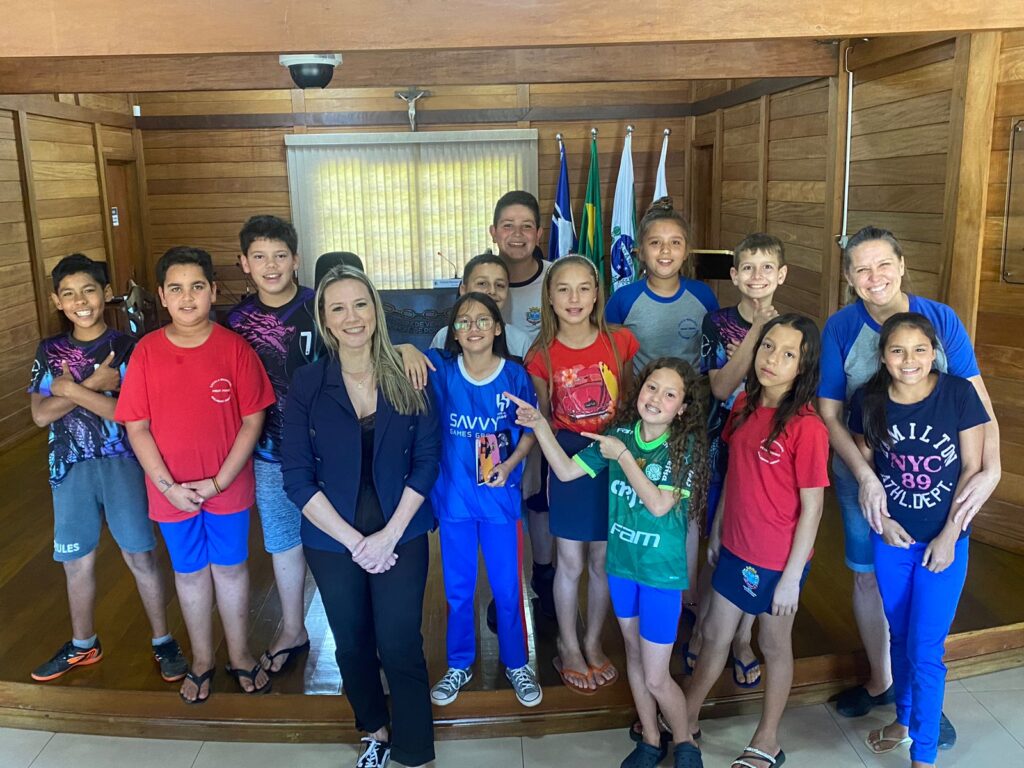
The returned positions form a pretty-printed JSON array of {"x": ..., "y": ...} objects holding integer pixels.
[{"x": 688, "y": 432}]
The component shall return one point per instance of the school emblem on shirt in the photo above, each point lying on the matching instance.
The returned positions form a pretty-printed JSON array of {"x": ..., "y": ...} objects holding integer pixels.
[
  {"x": 772, "y": 455},
  {"x": 220, "y": 390},
  {"x": 751, "y": 580},
  {"x": 533, "y": 315},
  {"x": 688, "y": 328}
]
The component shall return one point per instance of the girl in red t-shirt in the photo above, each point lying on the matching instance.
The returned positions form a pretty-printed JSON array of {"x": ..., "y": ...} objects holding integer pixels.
[
  {"x": 579, "y": 368},
  {"x": 767, "y": 519}
]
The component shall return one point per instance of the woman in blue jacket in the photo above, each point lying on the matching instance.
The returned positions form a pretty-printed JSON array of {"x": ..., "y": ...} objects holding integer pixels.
[{"x": 360, "y": 453}]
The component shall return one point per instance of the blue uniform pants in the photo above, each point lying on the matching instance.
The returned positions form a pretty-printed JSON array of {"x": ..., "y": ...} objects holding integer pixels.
[
  {"x": 502, "y": 546},
  {"x": 920, "y": 606}
]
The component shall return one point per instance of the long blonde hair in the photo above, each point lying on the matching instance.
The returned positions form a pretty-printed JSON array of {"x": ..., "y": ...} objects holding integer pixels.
[
  {"x": 549, "y": 320},
  {"x": 387, "y": 365}
]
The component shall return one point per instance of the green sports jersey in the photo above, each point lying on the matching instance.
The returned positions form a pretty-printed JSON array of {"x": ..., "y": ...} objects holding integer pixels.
[{"x": 647, "y": 549}]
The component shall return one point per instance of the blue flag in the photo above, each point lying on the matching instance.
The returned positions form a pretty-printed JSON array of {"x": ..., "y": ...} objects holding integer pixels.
[{"x": 563, "y": 230}]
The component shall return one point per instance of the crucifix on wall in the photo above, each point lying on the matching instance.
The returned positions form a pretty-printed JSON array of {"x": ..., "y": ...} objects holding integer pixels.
[{"x": 410, "y": 96}]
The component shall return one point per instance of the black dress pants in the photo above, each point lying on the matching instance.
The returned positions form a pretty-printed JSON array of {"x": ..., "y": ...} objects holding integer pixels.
[{"x": 376, "y": 621}]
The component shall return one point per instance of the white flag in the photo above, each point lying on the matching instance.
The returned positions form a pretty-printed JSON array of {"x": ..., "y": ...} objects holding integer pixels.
[
  {"x": 660, "y": 185},
  {"x": 624, "y": 220}
]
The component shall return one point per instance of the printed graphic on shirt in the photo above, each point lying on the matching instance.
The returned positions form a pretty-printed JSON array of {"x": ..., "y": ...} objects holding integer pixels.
[
  {"x": 491, "y": 450},
  {"x": 80, "y": 434},
  {"x": 918, "y": 456},
  {"x": 587, "y": 391}
]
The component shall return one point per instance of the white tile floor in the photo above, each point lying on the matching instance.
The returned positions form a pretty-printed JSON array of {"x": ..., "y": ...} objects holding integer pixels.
[{"x": 986, "y": 711}]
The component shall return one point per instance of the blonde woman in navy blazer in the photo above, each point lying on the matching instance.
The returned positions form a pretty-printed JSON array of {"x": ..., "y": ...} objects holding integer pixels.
[{"x": 360, "y": 453}]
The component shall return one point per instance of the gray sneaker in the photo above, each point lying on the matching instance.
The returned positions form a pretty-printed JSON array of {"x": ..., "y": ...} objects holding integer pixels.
[
  {"x": 446, "y": 690},
  {"x": 524, "y": 683}
]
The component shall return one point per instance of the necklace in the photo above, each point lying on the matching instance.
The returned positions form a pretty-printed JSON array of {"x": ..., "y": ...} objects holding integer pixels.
[{"x": 360, "y": 383}]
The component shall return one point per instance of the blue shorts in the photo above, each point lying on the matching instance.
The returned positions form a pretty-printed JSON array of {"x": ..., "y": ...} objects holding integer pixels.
[
  {"x": 860, "y": 554},
  {"x": 280, "y": 518},
  {"x": 749, "y": 587},
  {"x": 658, "y": 609},
  {"x": 578, "y": 510},
  {"x": 111, "y": 488},
  {"x": 207, "y": 539}
]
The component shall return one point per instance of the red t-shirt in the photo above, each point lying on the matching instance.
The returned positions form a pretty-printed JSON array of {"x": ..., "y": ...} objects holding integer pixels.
[
  {"x": 194, "y": 400},
  {"x": 585, "y": 382},
  {"x": 762, "y": 487}
]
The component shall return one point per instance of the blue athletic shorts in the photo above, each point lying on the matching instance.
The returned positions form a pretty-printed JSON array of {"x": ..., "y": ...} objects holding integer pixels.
[
  {"x": 859, "y": 552},
  {"x": 658, "y": 609},
  {"x": 113, "y": 488},
  {"x": 747, "y": 586},
  {"x": 280, "y": 518},
  {"x": 207, "y": 539}
]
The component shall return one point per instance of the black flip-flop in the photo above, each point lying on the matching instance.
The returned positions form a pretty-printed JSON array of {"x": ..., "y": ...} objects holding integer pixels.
[
  {"x": 197, "y": 681},
  {"x": 293, "y": 653},
  {"x": 249, "y": 675}
]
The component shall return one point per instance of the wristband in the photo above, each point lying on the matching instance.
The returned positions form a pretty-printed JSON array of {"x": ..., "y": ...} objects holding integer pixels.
[
  {"x": 168, "y": 488},
  {"x": 216, "y": 485},
  {"x": 624, "y": 450}
]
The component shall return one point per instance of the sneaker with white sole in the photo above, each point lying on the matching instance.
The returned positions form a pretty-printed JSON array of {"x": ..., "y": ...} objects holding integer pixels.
[
  {"x": 376, "y": 755},
  {"x": 524, "y": 683},
  {"x": 446, "y": 690}
]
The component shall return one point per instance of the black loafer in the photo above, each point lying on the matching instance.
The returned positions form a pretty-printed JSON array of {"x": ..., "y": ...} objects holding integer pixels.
[
  {"x": 856, "y": 701},
  {"x": 947, "y": 733}
]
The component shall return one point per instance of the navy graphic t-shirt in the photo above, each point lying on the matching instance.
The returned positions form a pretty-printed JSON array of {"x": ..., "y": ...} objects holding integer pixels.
[
  {"x": 921, "y": 467},
  {"x": 81, "y": 434},
  {"x": 285, "y": 339},
  {"x": 720, "y": 328}
]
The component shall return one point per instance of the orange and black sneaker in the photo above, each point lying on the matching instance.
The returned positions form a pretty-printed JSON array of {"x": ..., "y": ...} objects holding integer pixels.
[
  {"x": 66, "y": 659},
  {"x": 173, "y": 666}
]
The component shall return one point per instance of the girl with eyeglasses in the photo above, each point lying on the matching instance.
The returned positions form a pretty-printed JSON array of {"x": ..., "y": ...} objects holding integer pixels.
[{"x": 477, "y": 498}]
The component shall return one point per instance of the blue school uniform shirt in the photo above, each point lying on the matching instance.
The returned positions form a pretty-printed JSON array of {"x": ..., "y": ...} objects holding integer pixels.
[
  {"x": 664, "y": 325},
  {"x": 80, "y": 435},
  {"x": 921, "y": 467},
  {"x": 284, "y": 338},
  {"x": 849, "y": 347},
  {"x": 467, "y": 410}
]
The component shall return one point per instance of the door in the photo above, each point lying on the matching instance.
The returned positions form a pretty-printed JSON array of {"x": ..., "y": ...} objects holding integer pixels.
[{"x": 127, "y": 257}]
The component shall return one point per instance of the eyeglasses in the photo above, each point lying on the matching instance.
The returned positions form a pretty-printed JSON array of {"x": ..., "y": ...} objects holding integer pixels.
[{"x": 484, "y": 323}]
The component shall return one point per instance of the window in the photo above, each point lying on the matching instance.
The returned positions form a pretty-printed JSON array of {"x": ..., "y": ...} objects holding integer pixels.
[{"x": 414, "y": 206}]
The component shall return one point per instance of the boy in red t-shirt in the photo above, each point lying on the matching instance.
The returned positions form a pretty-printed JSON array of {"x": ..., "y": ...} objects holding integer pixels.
[{"x": 192, "y": 402}]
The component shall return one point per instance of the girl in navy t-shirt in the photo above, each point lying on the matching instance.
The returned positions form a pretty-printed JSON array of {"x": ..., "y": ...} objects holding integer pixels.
[
  {"x": 923, "y": 431},
  {"x": 477, "y": 494}
]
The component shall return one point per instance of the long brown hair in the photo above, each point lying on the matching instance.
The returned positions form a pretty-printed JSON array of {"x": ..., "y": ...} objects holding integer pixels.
[
  {"x": 687, "y": 434},
  {"x": 804, "y": 388},
  {"x": 387, "y": 365},
  {"x": 549, "y": 320}
]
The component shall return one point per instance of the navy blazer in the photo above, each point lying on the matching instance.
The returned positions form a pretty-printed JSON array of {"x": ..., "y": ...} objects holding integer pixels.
[{"x": 320, "y": 451}]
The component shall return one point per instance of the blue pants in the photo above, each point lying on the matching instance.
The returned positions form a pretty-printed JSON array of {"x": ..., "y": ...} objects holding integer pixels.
[
  {"x": 920, "y": 606},
  {"x": 502, "y": 546}
]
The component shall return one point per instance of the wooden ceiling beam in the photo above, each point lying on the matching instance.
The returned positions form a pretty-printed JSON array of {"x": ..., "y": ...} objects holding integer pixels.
[
  {"x": 615, "y": 63},
  {"x": 141, "y": 27}
]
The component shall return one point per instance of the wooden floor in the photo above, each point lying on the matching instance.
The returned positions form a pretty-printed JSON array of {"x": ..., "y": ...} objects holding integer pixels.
[{"x": 125, "y": 695}]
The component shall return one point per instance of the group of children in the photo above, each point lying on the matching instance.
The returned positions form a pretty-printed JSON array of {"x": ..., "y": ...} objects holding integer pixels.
[{"x": 641, "y": 459}]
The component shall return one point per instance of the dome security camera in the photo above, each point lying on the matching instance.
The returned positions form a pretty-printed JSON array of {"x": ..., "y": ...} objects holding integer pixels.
[{"x": 311, "y": 70}]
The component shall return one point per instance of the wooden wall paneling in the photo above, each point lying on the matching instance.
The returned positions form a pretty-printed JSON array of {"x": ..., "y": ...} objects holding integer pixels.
[
  {"x": 71, "y": 29},
  {"x": 101, "y": 175},
  {"x": 46, "y": 317},
  {"x": 831, "y": 263},
  {"x": 19, "y": 321},
  {"x": 716, "y": 181},
  {"x": 965, "y": 244},
  {"x": 763, "y": 120},
  {"x": 148, "y": 273}
]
